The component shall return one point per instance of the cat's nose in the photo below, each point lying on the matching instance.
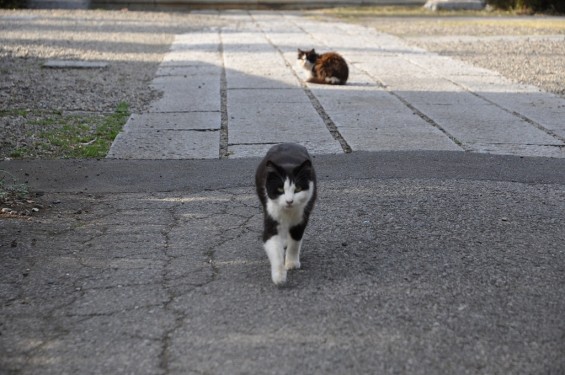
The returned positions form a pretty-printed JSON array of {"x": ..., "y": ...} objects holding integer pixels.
[{"x": 289, "y": 202}]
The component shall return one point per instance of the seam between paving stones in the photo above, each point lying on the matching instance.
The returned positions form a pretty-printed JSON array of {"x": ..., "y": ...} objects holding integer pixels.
[
  {"x": 525, "y": 118},
  {"x": 415, "y": 110},
  {"x": 511, "y": 112}
]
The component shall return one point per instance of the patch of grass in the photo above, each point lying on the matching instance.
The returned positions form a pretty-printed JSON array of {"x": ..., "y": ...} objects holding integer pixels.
[
  {"x": 19, "y": 152},
  {"x": 75, "y": 136},
  {"x": 10, "y": 189},
  {"x": 14, "y": 112}
]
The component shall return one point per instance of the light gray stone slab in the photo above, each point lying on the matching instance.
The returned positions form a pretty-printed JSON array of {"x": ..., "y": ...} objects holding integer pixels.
[
  {"x": 545, "y": 109},
  {"x": 436, "y": 5},
  {"x": 398, "y": 97},
  {"x": 277, "y": 123},
  {"x": 182, "y": 94},
  {"x": 248, "y": 150},
  {"x": 175, "y": 121},
  {"x": 190, "y": 70},
  {"x": 373, "y": 120},
  {"x": 454, "y": 94},
  {"x": 552, "y": 151},
  {"x": 190, "y": 48},
  {"x": 255, "y": 63},
  {"x": 274, "y": 116},
  {"x": 264, "y": 80},
  {"x": 260, "y": 71},
  {"x": 181, "y": 58},
  {"x": 75, "y": 64},
  {"x": 259, "y": 150},
  {"x": 446, "y": 67},
  {"x": 485, "y": 123},
  {"x": 166, "y": 144},
  {"x": 464, "y": 114}
]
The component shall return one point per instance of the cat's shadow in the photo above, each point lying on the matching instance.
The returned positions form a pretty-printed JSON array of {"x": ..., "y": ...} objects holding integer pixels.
[{"x": 348, "y": 84}]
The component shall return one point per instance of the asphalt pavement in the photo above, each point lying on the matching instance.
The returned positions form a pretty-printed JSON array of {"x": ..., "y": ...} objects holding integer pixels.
[{"x": 437, "y": 248}]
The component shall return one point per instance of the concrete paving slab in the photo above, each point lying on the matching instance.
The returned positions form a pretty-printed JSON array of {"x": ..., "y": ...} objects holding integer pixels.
[
  {"x": 262, "y": 79},
  {"x": 428, "y": 81},
  {"x": 544, "y": 109},
  {"x": 436, "y": 5},
  {"x": 465, "y": 115},
  {"x": 74, "y": 64},
  {"x": 472, "y": 120},
  {"x": 190, "y": 70},
  {"x": 174, "y": 121},
  {"x": 238, "y": 151},
  {"x": 371, "y": 119},
  {"x": 187, "y": 94},
  {"x": 551, "y": 150},
  {"x": 362, "y": 108},
  {"x": 202, "y": 47},
  {"x": 255, "y": 63},
  {"x": 274, "y": 116},
  {"x": 398, "y": 97},
  {"x": 166, "y": 144}
]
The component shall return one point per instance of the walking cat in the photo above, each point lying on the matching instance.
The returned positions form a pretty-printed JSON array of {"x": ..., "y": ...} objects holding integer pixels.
[
  {"x": 327, "y": 68},
  {"x": 286, "y": 186}
]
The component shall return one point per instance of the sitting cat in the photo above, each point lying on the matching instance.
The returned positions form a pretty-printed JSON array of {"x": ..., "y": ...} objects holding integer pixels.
[
  {"x": 286, "y": 186},
  {"x": 329, "y": 68}
]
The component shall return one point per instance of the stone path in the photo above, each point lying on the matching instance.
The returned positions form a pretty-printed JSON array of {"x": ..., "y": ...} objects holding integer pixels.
[{"x": 235, "y": 91}]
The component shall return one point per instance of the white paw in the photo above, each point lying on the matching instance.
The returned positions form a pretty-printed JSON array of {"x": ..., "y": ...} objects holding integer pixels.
[
  {"x": 292, "y": 265},
  {"x": 279, "y": 277},
  {"x": 332, "y": 80}
]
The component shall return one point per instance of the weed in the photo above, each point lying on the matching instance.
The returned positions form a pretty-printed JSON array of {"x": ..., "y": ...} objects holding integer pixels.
[
  {"x": 10, "y": 189},
  {"x": 54, "y": 134}
]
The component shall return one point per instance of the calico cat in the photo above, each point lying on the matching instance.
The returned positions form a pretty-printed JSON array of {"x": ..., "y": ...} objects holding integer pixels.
[
  {"x": 286, "y": 186},
  {"x": 327, "y": 68}
]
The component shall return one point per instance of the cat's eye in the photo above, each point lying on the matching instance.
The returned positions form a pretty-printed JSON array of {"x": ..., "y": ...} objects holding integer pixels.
[
  {"x": 280, "y": 190},
  {"x": 297, "y": 189}
]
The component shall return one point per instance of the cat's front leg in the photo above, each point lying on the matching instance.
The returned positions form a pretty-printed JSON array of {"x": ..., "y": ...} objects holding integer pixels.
[
  {"x": 275, "y": 251},
  {"x": 292, "y": 260}
]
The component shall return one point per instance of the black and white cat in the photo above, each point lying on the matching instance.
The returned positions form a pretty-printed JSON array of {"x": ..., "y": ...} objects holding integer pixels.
[{"x": 286, "y": 186}]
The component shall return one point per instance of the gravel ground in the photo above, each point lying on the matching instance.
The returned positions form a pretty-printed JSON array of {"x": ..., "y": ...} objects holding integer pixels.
[{"x": 133, "y": 43}]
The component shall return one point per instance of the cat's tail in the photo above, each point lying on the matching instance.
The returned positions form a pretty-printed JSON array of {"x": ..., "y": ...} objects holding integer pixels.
[{"x": 326, "y": 81}]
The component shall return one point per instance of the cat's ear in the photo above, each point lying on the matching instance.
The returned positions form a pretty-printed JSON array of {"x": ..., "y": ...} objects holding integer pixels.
[
  {"x": 307, "y": 163},
  {"x": 305, "y": 166},
  {"x": 271, "y": 167}
]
